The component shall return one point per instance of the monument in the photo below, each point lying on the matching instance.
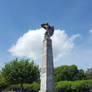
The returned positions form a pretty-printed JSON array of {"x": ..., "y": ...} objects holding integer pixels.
[{"x": 47, "y": 71}]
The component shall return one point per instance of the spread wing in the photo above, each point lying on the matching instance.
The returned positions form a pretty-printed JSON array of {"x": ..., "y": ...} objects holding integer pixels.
[{"x": 51, "y": 30}]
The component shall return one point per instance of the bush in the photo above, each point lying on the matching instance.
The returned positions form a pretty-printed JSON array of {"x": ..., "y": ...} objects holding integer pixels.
[
  {"x": 62, "y": 86},
  {"x": 35, "y": 87},
  {"x": 14, "y": 87},
  {"x": 73, "y": 86}
]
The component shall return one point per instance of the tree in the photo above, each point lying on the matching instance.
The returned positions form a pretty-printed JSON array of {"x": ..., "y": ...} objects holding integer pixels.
[
  {"x": 80, "y": 75},
  {"x": 69, "y": 73},
  {"x": 22, "y": 71},
  {"x": 3, "y": 82},
  {"x": 89, "y": 73}
]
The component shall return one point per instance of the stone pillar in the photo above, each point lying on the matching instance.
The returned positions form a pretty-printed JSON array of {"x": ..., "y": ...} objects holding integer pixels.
[{"x": 47, "y": 71}]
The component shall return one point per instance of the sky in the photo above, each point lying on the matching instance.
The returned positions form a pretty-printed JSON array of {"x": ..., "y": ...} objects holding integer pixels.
[{"x": 21, "y": 35}]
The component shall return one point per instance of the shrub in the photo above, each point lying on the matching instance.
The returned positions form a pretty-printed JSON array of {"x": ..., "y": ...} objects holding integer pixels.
[
  {"x": 35, "y": 87},
  {"x": 73, "y": 86},
  {"x": 62, "y": 86}
]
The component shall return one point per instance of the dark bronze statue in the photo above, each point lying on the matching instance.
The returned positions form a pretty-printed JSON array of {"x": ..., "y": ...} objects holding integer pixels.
[{"x": 49, "y": 30}]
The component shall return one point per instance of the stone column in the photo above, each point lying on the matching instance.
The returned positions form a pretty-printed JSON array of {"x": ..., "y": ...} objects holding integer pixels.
[{"x": 47, "y": 71}]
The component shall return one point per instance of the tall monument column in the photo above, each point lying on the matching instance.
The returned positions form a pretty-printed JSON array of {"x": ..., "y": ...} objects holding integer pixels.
[{"x": 47, "y": 71}]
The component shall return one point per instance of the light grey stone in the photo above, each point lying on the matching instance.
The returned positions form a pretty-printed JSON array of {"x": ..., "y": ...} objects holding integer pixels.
[{"x": 47, "y": 71}]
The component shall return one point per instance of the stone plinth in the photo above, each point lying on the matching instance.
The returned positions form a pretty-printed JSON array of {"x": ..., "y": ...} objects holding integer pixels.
[{"x": 47, "y": 71}]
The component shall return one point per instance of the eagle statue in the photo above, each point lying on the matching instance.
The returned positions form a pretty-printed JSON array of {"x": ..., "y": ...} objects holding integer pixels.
[{"x": 49, "y": 30}]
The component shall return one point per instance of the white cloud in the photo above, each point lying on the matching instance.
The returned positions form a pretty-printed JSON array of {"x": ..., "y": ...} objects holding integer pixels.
[
  {"x": 90, "y": 31},
  {"x": 30, "y": 44}
]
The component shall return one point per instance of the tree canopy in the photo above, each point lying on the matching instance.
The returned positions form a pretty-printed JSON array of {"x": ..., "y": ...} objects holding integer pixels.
[
  {"x": 69, "y": 73},
  {"x": 89, "y": 73},
  {"x": 21, "y": 71},
  {"x": 3, "y": 82}
]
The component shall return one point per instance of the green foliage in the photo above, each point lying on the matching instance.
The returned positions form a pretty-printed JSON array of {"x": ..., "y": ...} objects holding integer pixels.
[
  {"x": 62, "y": 86},
  {"x": 34, "y": 86},
  {"x": 89, "y": 73},
  {"x": 3, "y": 82},
  {"x": 73, "y": 86},
  {"x": 69, "y": 73},
  {"x": 22, "y": 71},
  {"x": 80, "y": 75},
  {"x": 14, "y": 87}
]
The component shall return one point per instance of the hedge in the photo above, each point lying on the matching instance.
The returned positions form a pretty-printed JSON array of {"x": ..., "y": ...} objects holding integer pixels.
[
  {"x": 35, "y": 87},
  {"x": 73, "y": 86},
  {"x": 62, "y": 86}
]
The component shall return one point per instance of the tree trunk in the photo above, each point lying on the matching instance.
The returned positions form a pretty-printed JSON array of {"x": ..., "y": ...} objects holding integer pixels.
[{"x": 21, "y": 87}]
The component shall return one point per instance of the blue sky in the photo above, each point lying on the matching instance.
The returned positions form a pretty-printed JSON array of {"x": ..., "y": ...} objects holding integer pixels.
[{"x": 73, "y": 16}]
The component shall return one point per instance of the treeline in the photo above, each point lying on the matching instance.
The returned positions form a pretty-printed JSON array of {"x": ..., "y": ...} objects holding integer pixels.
[
  {"x": 23, "y": 74},
  {"x": 69, "y": 73}
]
